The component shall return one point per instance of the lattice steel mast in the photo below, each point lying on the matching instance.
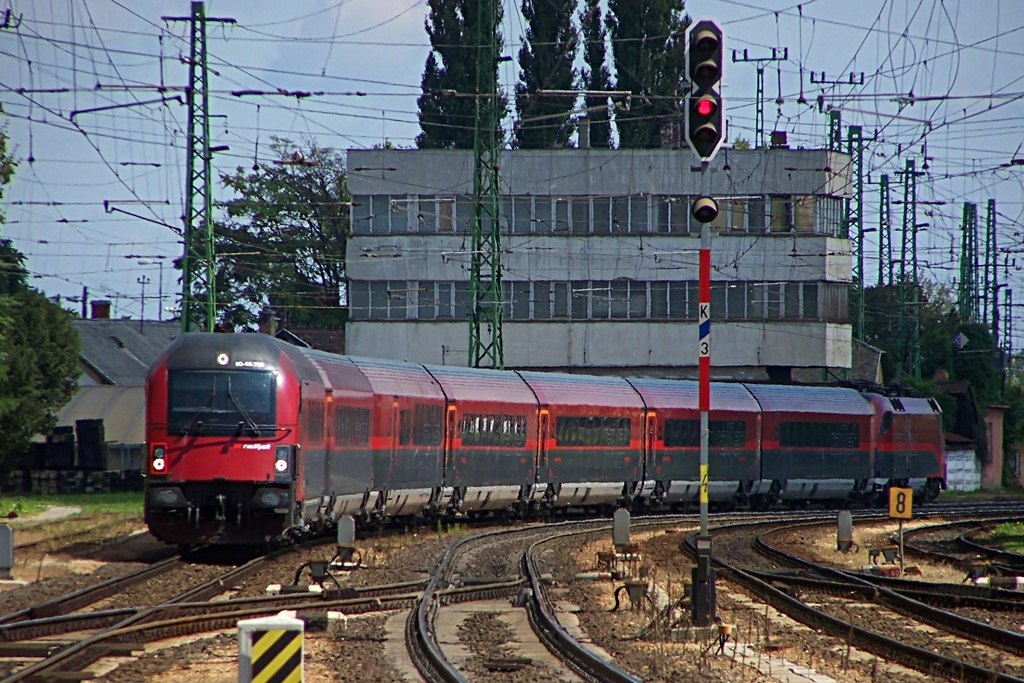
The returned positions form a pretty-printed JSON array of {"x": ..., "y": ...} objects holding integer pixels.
[
  {"x": 485, "y": 311},
  {"x": 855, "y": 220},
  {"x": 198, "y": 291}
]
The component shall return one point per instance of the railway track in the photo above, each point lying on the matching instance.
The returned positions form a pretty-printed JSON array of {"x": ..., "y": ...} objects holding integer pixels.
[
  {"x": 43, "y": 631},
  {"x": 775, "y": 591}
]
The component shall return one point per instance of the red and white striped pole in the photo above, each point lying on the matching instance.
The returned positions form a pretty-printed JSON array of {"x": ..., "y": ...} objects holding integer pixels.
[
  {"x": 703, "y": 603},
  {"x": 704, "y": 365}
]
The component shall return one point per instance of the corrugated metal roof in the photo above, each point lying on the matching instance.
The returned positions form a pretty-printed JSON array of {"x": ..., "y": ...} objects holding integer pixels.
[
  {"x": 796, "y": 399},
  {"x": 122, "y": 409},
  {"x": 665, "y": 393},
  {"x": 582, "y": 390},
  {"x": 118, "y": 352},
  {"x": 397, "y": 378},
  {"x": 465, "y": 384}
]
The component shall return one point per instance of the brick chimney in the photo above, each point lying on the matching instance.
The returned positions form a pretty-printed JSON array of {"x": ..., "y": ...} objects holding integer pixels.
[{"x": 100, "y": 309}]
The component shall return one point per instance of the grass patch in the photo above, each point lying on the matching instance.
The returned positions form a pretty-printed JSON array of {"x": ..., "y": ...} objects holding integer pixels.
[
  {"x": 1008, "y": 536},
  {"x": 980, "y": 494},
  {"x": 122, "y": 502}
]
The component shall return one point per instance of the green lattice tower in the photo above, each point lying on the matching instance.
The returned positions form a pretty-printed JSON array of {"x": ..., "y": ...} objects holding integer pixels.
[
  {"x": 197, "y": 265},
  {"x": 884, "y": 232},
  {"x": 835, "y": 130},
  {"x": 990, "y": 286},
  {"x": 910, "y": 339},
  {"x": 855, "y": 220},
  {"x": 485, "y": 311},
  {"x": 967, "y": 290}
]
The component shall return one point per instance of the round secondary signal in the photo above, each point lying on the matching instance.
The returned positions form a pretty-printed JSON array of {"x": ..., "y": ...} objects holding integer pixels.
[
  {"x": 705, "y": 106},
  {"x": 705, "y": 209}
]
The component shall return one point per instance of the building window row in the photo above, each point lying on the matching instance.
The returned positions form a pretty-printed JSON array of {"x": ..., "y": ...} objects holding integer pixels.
[
  {"x": 603, "y": 300},
  {"x": 590, "y": 215}
]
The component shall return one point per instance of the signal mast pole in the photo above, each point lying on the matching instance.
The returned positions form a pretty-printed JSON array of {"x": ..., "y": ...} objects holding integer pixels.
[{"x": 704, "y": 134}]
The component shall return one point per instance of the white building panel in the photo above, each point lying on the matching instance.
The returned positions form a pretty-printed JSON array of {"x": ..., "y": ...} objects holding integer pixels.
[{"x": 613, "y": 345}]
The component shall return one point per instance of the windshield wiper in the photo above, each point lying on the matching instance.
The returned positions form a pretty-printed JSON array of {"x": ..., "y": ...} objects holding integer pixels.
[
  {"x": 241, "y": 409},
  {"x": 188, "y": 425}
]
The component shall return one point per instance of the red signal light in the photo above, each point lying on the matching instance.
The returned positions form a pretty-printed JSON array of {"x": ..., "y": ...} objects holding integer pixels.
[{"x": 705, "y": 106}]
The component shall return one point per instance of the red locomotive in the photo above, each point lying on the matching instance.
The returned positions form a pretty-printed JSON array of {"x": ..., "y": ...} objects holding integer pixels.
[{"x": 252, "y": 439}]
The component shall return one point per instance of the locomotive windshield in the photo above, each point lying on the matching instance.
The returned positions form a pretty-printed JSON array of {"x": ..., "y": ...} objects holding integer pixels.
[{"x": 221, "y": 402}]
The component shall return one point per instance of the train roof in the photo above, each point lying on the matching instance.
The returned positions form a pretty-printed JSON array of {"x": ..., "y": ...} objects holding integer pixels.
[
  {"x": 781, "y": 398},
  {"x": 491, "y": 386},
  {"x": 905, "y": 405},
  {"x": 236, "y": 351},
  {"x": 339, "y": 373},
  {"x": 558, "y": 388},
  {"x": 395, "y": 378},
  {"x": 682, "y": 394}
]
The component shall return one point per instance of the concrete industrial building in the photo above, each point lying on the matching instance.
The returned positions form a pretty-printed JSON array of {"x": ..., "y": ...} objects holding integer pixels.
[{"x": 599, "y": 257}]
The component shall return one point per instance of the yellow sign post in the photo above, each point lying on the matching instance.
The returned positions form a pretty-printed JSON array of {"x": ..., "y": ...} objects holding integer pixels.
[{"x": 901, "y": 503}]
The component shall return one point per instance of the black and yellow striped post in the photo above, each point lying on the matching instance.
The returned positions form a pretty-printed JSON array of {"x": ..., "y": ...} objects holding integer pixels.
[{"x": 270, "y": 650}]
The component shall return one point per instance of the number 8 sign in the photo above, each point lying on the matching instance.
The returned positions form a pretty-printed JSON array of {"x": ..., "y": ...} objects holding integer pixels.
[{"x": 900, "y": 503}]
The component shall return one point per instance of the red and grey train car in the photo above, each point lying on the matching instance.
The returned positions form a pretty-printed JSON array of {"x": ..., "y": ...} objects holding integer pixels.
[
  {"x": 909, "y": 446},
  {"x": 673, "y": 429},
  {"x": 251, "y": 438}
]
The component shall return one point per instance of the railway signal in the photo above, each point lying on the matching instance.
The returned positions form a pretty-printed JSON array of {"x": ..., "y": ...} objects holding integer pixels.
[{"x": 704, "y": 109}]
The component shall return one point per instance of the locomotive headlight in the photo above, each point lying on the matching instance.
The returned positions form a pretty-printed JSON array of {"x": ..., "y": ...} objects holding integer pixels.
[
  {"x": 159, "y": 462},
  {"x": 282, "y": 463}
]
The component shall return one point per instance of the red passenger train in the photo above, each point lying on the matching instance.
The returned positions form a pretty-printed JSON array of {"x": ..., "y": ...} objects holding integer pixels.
[{"x": 252, "y": 439}]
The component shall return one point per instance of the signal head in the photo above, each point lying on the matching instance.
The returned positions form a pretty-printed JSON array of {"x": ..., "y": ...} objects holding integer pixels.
[
  {"x": 704, "y": 209},
  {"x": 704, "y": 56},
  {"x": 705, "y": 106},
  {"x": 705, "y": 114}
]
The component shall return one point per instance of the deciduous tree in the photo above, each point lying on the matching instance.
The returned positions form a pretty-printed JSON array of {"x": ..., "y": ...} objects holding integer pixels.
[
  {"x": 282, "y": 248},
  {"x": 39, "y": 369}
]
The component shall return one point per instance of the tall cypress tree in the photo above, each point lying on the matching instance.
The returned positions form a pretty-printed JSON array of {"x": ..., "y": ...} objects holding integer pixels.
[
  {"x": 595, "y": 75},
  {"x": 648, "y": 50},
  {"x": 448, "y": 103},
  {"x": 545, "y": 62}
]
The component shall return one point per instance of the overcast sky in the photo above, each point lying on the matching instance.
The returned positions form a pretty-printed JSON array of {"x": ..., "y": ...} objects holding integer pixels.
[{"x": 79, "y": 171}]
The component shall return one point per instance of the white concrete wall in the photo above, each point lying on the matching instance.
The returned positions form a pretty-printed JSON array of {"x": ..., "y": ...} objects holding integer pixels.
[
  {"x": 602, "y": 172},
  {"x": 763, "y": 258},
  {"x": 638, "y": 344},
  {"x": 963, "y": 470}
]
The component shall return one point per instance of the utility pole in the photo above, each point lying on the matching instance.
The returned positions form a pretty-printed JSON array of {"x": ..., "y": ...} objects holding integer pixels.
[
  {"x": 967, "y": 290},
  {"x": 910, "y": 357},
  {"x": 142, "y": 300},
  {"x": 198, "y": 296},
  {"x": 855, "y": 218},
  {"x": 760, "y": 62},
  {"x": 835, "y": 130},
  {"x": 1007, "y": 343},
  {"x": 884, "y": 232},
  {"x": 485, "y": 310},
  {"x": 990, "y": 268}
]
